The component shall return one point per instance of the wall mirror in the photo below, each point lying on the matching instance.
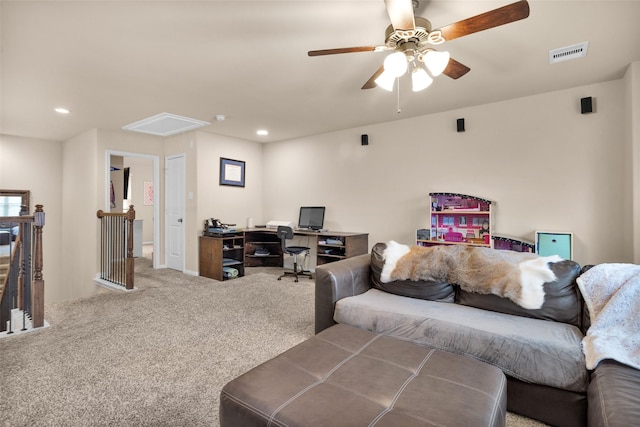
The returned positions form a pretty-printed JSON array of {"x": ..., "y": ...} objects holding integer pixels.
[{"x": 14, "y": 202}]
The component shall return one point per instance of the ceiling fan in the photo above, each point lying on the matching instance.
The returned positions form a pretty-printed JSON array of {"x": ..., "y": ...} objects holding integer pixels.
[{"x": 411, "y": 39}]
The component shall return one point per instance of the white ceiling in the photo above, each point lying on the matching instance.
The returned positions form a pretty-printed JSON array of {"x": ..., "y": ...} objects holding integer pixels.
[{"x": 116, "y": 62}]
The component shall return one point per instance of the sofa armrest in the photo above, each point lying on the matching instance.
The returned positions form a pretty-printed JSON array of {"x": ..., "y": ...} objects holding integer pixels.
[
  {"x": 614, "y": 395},
  {"x": 337, "y": 280}
]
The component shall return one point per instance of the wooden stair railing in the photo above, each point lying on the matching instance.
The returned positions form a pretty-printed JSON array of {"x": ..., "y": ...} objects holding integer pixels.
[
  {"x": 23, "y": 285},
  {"x": 116, "y": 247}
]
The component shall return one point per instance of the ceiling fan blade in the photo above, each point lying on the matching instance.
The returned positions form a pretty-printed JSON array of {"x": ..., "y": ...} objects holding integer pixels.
[
  {"x": 342, "y": 50},
  {"x": 494, "y": 18},
  {"x": 401, "y": 14},
  {"x": 371, "y": 83},
  {"x": 455, "y": 70}
]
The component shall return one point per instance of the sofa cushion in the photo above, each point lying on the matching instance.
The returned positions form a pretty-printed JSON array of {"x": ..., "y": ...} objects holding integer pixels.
[
  {"x": 562, "y": 300},
  {"x": 429, "y": 290},
  {"x": 531, "y": 350}
]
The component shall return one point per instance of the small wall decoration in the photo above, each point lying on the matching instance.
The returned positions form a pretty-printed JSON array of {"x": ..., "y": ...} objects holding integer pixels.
[
  {"x": 148, "y": 193},
  {"x": 231, "y": 172}
]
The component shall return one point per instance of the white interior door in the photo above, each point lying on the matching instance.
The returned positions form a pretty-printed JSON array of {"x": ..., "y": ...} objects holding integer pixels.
[{"x": 174, "y": 183}]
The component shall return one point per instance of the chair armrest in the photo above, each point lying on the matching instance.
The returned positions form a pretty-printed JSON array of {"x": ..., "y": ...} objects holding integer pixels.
[{"x": 338, "y": 280}]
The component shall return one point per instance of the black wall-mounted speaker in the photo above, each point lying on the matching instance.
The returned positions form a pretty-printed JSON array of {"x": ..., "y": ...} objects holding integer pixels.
[
  {"x": 364, "y": 139},
  {"x": 460, "y": 125},
  {"x": 586, "y": 105}
]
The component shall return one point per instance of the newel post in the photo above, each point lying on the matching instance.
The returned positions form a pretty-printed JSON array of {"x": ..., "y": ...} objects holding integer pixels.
[
  {"x": 38, "y": 281},
  {"x": 130, "y": 262}
]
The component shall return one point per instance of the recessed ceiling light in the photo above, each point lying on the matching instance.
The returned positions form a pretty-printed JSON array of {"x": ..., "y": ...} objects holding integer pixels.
[
  {"x": 262, "y": 132},
  {"x": 62, "y": 110}
]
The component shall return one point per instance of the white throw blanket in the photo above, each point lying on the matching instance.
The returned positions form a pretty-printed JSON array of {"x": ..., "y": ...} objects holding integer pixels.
[{"x": 612, "y": 294}]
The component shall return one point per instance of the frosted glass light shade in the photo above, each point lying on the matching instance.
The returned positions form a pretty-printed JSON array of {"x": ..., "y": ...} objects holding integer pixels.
[
  {"x": 436, "y": 61},
  {"x": 420, "y": 80},
  {"x": 386, "y": 80},
  {"x": 396, "y": 64}
]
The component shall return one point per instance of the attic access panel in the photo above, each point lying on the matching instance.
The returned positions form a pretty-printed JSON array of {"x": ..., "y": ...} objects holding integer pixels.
[{"x": 165, "y": 124}]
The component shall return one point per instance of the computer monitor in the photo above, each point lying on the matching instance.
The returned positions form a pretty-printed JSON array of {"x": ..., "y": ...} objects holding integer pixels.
[{"x": 311, "y": 217}]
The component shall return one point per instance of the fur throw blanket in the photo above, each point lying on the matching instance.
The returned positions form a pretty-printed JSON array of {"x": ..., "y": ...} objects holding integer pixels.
[
  {"x": 518, "y": 276},
  {"x": 612, "y": 294}
]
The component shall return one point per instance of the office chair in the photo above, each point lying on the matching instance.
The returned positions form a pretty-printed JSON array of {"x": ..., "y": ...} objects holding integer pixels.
[{"x": 286, "y": 233}]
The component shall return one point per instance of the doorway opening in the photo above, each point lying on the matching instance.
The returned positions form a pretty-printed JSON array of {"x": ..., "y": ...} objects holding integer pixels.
[{"x": 142, "y": 186}]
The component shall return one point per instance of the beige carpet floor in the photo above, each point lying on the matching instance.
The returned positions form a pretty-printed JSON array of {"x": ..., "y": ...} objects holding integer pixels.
[{"x": 156, "y": 356}]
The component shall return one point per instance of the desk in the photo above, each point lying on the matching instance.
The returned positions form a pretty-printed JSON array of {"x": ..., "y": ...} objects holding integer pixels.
[{"x": 326, "y": 246}]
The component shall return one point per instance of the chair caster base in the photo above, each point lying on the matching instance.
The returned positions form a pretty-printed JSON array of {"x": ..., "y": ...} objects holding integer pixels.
[{"x": 296, "y": 275}]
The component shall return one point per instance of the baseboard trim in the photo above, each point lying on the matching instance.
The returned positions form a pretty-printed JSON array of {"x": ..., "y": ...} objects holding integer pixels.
[{"x": 111, "y": 286}]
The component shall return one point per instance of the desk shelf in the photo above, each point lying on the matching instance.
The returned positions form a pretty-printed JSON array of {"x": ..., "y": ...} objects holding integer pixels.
[
  {"x": 262, "y": 240},
  {"x": 263, "y": 260},
  {"x": 334, "y": 247},
  {"x": 216, "y": 253},
  {"x": 340, "y": 245}
]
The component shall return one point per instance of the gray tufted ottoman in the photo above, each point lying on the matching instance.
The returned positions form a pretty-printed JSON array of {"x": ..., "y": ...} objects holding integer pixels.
[{"x": 346, "y": 376}]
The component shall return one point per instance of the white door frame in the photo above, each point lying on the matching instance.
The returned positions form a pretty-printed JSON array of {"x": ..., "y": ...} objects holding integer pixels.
[
  {"x": 156, "y": 183},
  {"x": 166, "y": 214}
]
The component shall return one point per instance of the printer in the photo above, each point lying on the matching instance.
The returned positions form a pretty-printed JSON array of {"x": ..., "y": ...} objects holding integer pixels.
[{"x": 275, "y": 224}]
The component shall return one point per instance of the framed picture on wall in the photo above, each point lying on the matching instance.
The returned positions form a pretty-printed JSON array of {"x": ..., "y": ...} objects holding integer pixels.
[{"x": 231, "y": 172}]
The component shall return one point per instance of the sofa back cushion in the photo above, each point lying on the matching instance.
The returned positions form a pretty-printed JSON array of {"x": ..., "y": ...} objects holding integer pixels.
[
  {"x": 428, "y": 290},
  {"x": 562, "y": 299}
]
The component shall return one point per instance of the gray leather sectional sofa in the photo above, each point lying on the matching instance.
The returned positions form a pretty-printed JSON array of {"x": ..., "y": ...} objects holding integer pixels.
[{"x": 538, "y": 350}]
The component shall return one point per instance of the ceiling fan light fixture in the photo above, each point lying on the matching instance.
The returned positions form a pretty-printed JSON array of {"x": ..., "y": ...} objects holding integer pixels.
[
  {"x": 395, "y": 64},
  {"x": 436, "y": 61},
  {"x": 435, "y": 37},
  {"x": 386, "y": 81},
  {"x": 420, "y": 80}
]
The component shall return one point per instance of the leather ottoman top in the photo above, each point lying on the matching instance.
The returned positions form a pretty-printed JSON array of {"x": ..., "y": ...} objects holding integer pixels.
[{"x": 347, "y": 376}]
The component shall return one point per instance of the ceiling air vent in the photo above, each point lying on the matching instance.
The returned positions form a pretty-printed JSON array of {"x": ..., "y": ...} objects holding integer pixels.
[
  {"x": 165, "y": 124},
  {"x": 567, "y": 53}
]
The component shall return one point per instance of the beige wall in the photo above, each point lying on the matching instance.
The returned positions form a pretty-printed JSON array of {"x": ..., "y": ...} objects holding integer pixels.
[
  {"x": 229, "y": 204},
  {"x": 546, "y": 166},
  {"x": 36, "y": 165},
  {"x": 85, "y": 191},
  {"x": 632, "y": 128},
  {"x": 205, "y": 198},
  {"x": 79, "y": 222}
]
